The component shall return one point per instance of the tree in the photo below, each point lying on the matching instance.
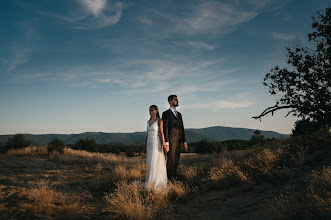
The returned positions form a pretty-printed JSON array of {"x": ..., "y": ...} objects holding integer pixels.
[
  {"x": 306, "y": 127},
  {"x": 305, "y": 88},
  {"x": 16, "y": 142},
  {"x": 257, "y": 138},
  {"x": 56, "y": 145}
]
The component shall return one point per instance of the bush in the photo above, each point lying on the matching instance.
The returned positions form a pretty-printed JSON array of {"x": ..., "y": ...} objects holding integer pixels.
[
  {"x": 206, "y": 147},
  {"x": 56, "y": 145},
  {"x": 16, "y": 142},
  {"x": 87, "y": 144}
]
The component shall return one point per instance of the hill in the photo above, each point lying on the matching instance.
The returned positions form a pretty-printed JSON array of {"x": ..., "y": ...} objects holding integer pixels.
[{"x": 217, "y": 133}]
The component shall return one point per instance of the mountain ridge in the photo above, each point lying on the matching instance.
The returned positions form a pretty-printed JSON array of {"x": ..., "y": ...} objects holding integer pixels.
[{"x": 214, "y": 133}]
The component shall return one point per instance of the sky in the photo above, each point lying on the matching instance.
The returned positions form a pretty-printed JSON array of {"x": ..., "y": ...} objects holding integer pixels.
[{"x": 74, "y": 66}]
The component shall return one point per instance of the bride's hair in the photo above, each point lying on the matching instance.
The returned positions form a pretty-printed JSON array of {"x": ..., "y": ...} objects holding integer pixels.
[{"x": 154, "y": 107}]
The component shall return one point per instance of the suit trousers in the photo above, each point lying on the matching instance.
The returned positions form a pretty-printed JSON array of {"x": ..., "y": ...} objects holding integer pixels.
[{"x": 173, "y": 159}]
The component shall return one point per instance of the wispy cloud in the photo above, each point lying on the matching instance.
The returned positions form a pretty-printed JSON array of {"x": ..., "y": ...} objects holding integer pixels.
[
  {"x": 91, "y": 14},
  {"x": 283, "y": 36},
  {"x": 214, "y": 17},
  {"x": 19, "y": 52},
  {"x": 221, "y": 104},
  {"x": 200, "y": 45},
  {"x": 19, "y": 57}
]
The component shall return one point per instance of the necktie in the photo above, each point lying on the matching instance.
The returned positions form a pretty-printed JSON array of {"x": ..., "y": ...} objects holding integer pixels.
[{"x": 176, "y": 113}]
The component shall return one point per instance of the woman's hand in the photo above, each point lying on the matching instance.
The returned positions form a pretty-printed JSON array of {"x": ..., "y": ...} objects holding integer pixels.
[{"x": 166, "y": 148}]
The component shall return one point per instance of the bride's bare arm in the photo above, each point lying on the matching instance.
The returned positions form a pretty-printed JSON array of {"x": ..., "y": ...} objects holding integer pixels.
[{"x": 160, "y": 123}]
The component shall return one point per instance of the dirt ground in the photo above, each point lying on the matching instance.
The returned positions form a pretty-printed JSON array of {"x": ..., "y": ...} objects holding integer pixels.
[{"x": 20, "y": 173}]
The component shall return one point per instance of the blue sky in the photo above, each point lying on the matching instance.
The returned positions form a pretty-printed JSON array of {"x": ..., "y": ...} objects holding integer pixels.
[{"x": 97, "y": 65}]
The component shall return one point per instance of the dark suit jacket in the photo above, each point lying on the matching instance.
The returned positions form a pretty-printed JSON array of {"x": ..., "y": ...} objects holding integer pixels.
[{"x": 173, "y": 128}]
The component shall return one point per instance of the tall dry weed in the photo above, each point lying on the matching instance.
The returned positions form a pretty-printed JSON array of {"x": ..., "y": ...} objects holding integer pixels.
[
  {"x": 131, "y": 201},
  {"x": 288, "y": 205},
  {"x": 226, "y": 171},
  {"x": 49, "y": 201},
  {"x": 319, "y": 190},
  {"x": 29, "y": 151},
  {"x": 264, "y": 160},
  {"x": 71, "y": 156}
]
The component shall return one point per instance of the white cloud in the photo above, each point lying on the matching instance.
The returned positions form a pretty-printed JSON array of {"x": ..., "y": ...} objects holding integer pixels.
[
  {"x": 94, "y": 6},
  {"x": 96, "y": 14}
]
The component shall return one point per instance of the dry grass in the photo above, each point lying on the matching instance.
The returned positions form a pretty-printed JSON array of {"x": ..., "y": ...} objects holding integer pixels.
[
  {"x": 136, "y": 172},
  {"x": 127, "y": 200},
  {"x": 319, "y": 190},
  {"x": 226, "y": 171},
  {"x": 299, "y": 155},
  {"x": 46, "y": 200},
  {"x": 29, "y": 151},
  {"x": 179, "y": 190},
  {"x": 264, "y": 160},
  {"x": 71, "y": 156},
  {"x": 288, "y": 205},
  {"x": 130, "y": 201},
  {"x": 190, "y": 173}
]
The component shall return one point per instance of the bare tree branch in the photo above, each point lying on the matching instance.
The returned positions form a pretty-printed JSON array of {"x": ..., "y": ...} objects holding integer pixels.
[{"x": 272, "y": 110}]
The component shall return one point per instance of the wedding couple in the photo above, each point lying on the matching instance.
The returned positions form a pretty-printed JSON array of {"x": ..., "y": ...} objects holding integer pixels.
[{"x": 164, "y": 135}]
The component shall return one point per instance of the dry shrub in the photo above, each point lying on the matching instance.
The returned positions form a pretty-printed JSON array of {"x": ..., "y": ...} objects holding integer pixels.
[
  {"x": 31, "y": 151},
  {"x": 238, "y": 155},
  {"x": 227, "y": 172},
  {"x": 49, "y": 201},
  {"x": 71, "y": 156},
  {"x": 289, "y": 205},
  {"x": 299, "y": 154},
  {"x": 130, "y": 201},
  {"x": 189, "y": 172},
  {"x": 319, "y": 190},
  {"x": 264, "y": 161},
  {"x": 136, "y": 172},
  {"x": 197, "y": 160},
  {"x": 179, "y": 190}
]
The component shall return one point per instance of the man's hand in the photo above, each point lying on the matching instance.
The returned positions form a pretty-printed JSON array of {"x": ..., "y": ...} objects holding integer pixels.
[{"x": 185, "y": 146}]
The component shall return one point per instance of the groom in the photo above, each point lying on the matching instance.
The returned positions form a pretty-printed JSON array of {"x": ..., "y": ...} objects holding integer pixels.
[{"x": 174, "y": 135}]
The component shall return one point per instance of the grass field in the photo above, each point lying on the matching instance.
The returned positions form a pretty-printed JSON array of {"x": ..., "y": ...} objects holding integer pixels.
[{"x": 288, "y": 179}]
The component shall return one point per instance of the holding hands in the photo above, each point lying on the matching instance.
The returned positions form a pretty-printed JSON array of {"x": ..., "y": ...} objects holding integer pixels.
[{"x": 166, "y": 148}]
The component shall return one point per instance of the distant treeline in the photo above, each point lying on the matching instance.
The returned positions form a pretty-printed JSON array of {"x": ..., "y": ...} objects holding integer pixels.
[
  {"x": 204, "y": 146},
  {"x": 89, "y": 144}
]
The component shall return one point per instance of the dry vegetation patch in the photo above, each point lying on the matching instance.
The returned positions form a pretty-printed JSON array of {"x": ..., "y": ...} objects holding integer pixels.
[{"x": 319, "y": 190}]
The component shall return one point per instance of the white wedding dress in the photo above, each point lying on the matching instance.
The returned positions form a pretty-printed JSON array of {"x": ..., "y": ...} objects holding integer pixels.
[{"x": 156, "y": 163}]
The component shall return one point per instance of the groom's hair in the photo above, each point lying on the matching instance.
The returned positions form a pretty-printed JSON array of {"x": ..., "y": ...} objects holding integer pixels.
[{"x": 171, "y": 97}]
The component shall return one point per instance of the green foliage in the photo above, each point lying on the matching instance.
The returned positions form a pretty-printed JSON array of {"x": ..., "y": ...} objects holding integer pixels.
[
  {"x": 257, "y": 138},
  {"x": 16, "y": 142},
  {"x": 56, "y": 145},
  {"x": 206, "y": 147},
  {"x": 308, "y": 128},
  {"x": 87, "y": 144},
  {"x": 305, "y": 87}
]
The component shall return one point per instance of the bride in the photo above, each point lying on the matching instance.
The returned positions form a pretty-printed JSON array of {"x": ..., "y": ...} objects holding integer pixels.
[{"x": 156, "y": 163}]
